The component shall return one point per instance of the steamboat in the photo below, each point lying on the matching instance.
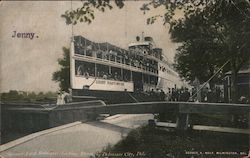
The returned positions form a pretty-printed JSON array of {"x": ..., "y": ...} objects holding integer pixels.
[{"x": 105, "y": 71}]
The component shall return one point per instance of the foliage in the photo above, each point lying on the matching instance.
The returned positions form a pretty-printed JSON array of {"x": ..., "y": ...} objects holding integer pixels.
[
  {"x": 157, "y": 143},
  {"x": 63, "y": 75},
  {"x": 86, "y": 13},
  {"x": 200, "y": 54},
  {"x": 14, "y": 95},
  {"x": 211, "y": 36}
]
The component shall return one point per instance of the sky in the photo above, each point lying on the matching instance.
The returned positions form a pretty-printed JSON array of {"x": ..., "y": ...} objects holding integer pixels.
[{"x": 28, "y": 65}]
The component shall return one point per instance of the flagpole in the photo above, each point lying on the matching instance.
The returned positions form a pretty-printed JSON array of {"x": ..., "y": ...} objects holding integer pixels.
[
  {"x": 72, "y": 32},
  {"x": 85, "y": 49},
  {"x": 72, "y": 52}
]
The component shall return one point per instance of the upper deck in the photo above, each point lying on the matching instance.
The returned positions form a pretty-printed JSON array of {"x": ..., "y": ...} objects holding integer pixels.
[
  {"x": 146, "y": 46},
  {"x": 108, "y": 54}
]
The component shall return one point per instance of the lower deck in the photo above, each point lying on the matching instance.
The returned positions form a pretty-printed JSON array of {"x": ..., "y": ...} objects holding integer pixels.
[{"x": 112, "y": 97}]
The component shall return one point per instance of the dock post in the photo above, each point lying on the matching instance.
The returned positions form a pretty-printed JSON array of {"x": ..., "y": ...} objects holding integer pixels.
[
  {"x": 182, "y": 121},
  {"x": 1, "y": 123},
  {"x": 249, "y": 134}
]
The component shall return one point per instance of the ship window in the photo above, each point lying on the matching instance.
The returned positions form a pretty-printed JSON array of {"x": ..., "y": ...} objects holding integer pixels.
[
  {"x": 146, "y": 78},
  {"x": 112, "y": 57},
  {"x": 89, "y": 52},
  {"x": 99, "y": 54},
  {"x": 102, "y": 71},
  {"x": 153, "y": 80},
  {"x": 90, "y": 68},
  {"x": 137, "y": 78},
  {"x": 79, "y": 69},
  {"x": 126, "y": 75},
  {"x": 79, "y": 49},
  {"x": 116, "y": 73},
  {"x": 119, "y": 59},
  {"x": 107, "y": 57},
  {"x": 127, "y": 61},
  {"x": 84, "y": 68}
]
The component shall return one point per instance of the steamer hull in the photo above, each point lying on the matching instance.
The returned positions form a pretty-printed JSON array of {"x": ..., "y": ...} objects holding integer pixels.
[{"x": 104, "y": 71}]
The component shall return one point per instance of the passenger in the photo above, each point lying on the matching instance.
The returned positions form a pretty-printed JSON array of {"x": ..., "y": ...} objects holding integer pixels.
[
  {"x": 168, "y": 95},
  {"x": 175, "y": 95},
  {"x": 162, "y": 95},
  {"x": 119, "y": 78},
  {"x": 60, "y": 99},
  {"x": 110, "y": 76},
  {"x": 105, "y": 76},
  {"x": 181, "y": 96},
  {"x": 152, "y": 92},
  {"x": 70, "y": 95},
  {"x": 218, "y": 95},
  {"x": 99, "y": 54},
  {"x": 79, "y": 70},
  {"x": 153, "y": 95},
  {"x": 169, "y": 91},
  {"x": 157, "y": 93},
  {"x": 184, "y": 95},
  {"x": 125, "y": 78},
  {"x": 172, "y": 95},
  {"x": 86, "y": 74},
  {"x": 116, "y": 76},
  {"x": 210, "y": 96},
  {"x": 243, "y": 100},
  {"x": 193, "y": 97},
  {"x": 98, "y": 74},
  {"x": 204, "y": 93},
  {"x": 67, "y": 97}
]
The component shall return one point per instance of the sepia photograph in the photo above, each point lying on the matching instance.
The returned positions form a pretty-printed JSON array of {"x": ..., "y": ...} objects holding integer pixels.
[{"x": 125, "y": 79}]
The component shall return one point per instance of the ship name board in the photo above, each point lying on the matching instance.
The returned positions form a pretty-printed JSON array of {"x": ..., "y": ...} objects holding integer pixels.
[{"x": 109, "y": 82}]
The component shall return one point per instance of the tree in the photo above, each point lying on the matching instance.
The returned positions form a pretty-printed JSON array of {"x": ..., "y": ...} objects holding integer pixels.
[
  {"x": 211, "y": 36},
  {"x": 63, "y": 75},
  {"x": 200, "y": 53}
]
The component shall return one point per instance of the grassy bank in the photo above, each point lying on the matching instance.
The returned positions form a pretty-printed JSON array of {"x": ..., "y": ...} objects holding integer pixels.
[{"x": 146, "y": 142}]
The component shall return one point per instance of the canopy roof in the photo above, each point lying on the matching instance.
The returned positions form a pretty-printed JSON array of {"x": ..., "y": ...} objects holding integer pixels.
[{"x": 102, "y": 46}]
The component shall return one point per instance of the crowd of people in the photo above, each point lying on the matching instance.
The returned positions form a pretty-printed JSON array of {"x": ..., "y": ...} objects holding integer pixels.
[
  {"x": 211, "y": 95},
  {"x": 173, "y": 94},
  {"x": 135, "y": 59},
  {"x": 99, "y": 71},
  {"x": 214, "y": 95},
  {"x": 64, "y": 97},
  {"x": 114, "y": 75},
  {"x": 186, "y": 95}
]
